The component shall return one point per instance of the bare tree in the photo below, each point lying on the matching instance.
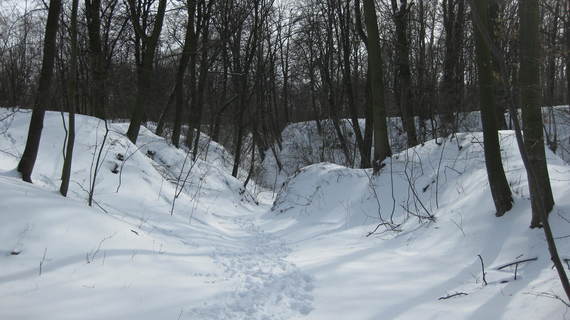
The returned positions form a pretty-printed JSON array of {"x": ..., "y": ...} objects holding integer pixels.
[
  {"x": 375, "y": 69},
  {"x": 187, "y": 49},
  {"x": 483, "y": 24},
  {"x": 96, "y": 57},
  {"x": 74, "y": 99},
  {"x": 28, "y": 160},
  {"x": 403, "y": 87},
  {"x": 452, "y": 83},
  {"x": 139, "y": 13},
  {"x": 529, "y": 82}
]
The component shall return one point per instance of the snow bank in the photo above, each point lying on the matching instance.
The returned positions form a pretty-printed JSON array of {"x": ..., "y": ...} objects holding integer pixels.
[
  {"x": 127, "y": 257},
  {"x": 326, "y": 211},
  {"x": 125, "y": 169}
]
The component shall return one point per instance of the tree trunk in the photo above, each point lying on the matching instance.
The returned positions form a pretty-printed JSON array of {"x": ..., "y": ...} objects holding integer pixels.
[
  {"x": 28, "y": 160},
  {"x": 203, "y": 78},
  {"x": 365, "y": 160},
  {"x": 550, "y": 75},
  {"x": 501, "y": 90},
  {"x": 74, "y": 100},
  {"x": 381, "y": 143},
  {"x": 145, "y": 69},
  {"x": 345, "y": 27},
  {"x": 189, "y": 46},
  {"x": 567, "y": 33},
  {"x": 400, "y": 16},
  {"x": 500, "y": 190},
  {"x": 450, "y": 97},
  {"x": 532, "y": 116},
  {"x": 96, "y": 58},
  {"x": 162, "y": 119},
  {"x": 368, "y": 125}
]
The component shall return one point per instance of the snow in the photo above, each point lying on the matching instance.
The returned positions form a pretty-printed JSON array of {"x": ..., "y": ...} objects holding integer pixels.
[{"x": 225, "y": 252}]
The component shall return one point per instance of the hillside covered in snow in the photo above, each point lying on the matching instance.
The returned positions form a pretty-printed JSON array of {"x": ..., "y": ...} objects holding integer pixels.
[{"x": 172, "y": 238}]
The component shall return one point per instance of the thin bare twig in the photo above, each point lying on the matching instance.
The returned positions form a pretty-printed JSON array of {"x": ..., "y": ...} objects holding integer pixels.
[{"x": 482, "y": 269}]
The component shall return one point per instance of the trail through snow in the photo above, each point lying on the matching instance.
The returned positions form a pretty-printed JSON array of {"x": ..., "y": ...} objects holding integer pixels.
[{"x": 266, "y": 285}]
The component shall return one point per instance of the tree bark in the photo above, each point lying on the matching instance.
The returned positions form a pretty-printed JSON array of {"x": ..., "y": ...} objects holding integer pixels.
[
  {"x": 498, "y": 183},
  {"x": 203, "y": 77},
  {"x": 96, "y": 58},
  {"x": 531, "y": 113},
  {"x": 187, "y": 51},
  {"x": 145, "y": 69},
  {"x": 402, "y": 91},
  {"x": 452, "y": 83},
  {"x": 365, "y": 160},
  {"x": 74, "y": 98},
  {"x": 567, "y": 33},
  {"x": 381, "y": 144},
  {"x": 345, "y": 27},
  {"x": 28, "y": 160}
]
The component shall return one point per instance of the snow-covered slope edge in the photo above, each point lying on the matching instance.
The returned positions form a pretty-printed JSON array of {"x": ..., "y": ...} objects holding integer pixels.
[
  {"x": 302, "y": 143},
  {"x": 326, "y": 211}
]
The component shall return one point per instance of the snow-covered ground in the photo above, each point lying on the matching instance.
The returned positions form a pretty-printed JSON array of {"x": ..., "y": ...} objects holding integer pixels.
[{"x": 225, "y": 252}]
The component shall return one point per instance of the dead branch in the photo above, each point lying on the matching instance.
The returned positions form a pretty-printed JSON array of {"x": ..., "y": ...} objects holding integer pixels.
[
  {"x": 501, "y": 267},
  {"x": 453, "y": 295},
  {"x": 482, "y": 269}
]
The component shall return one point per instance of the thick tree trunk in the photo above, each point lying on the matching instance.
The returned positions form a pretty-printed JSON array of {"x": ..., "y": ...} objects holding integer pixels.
[
  {"x": 381, "y": 143},
  {"x": 189, "y": 46},
  {"x": 498, "y": 183},
  {"x": 452, "y": 83},
  {"x": 203, "y": 77},
  {"x": 28, "y": 160},
  {"x": 532, "y": 117},
  {"x": 365, "y": 160},
  {"x": 402, "y": 91},
  {"x": 96, "y": 58},
  {"x": 145, "y": 69},
  {"x": 501, "y": 90}
]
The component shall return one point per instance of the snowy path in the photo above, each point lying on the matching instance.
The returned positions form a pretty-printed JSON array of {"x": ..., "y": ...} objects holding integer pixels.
[
  {"x": 264, "y": 284},
  {"x": 260, "y": 282}
]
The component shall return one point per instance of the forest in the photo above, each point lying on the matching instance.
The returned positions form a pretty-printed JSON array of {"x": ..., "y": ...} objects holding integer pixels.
[{"x": 249, "y": 157}]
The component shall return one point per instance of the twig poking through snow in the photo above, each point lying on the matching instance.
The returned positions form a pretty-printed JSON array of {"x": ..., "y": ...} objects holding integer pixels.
[
  {"x": 452, "y": 295},
  {"x": 482, "y": 269},
  {"x": 549, "y": 295},
  {"x": 43, "y": 260}
]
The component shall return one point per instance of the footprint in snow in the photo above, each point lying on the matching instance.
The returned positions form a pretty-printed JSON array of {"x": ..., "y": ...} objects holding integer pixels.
[{"x": 268, "y": 287}]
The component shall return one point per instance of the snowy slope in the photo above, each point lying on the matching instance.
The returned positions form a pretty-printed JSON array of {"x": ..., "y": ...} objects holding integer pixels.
[
  {"x": 127, "y": 257},
  {"x": 325, "y": 212},
  {"x": 228, "y": 254}
]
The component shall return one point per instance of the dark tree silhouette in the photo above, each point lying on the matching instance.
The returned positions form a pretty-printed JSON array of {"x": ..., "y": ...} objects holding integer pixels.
[
  {"x": 28, "y": 160},
  {"x": 498, "y": 183}
]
